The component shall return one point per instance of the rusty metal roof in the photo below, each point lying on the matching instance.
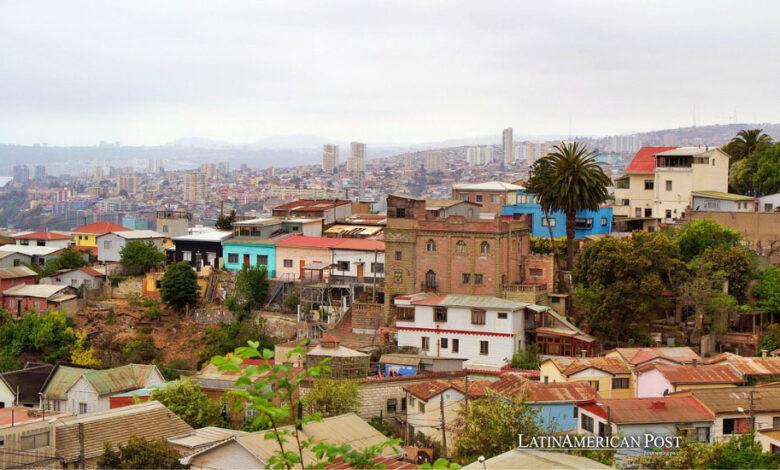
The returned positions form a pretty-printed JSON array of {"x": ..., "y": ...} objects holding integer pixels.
[
  {"x": 699, "y": 374},
  {"x": 119, "y": 379},
  {"x": 63, "y": 378},
  {"x": 572, "y": 365},
  {"x": 727, "y": 400},
  {"x": 678, "y": 354},
  {"x": 432, "y": 388},
  {"x": 536, "y": 392},
  {"x": 16, "y": 272},
  {"x": 649, "y": 410},
  {"x": 753, "y": 366}
]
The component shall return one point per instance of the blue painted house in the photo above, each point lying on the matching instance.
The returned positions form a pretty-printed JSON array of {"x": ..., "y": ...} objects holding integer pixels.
[
  {"x": 254, "y": 241},
  {"x": 556, "y": 402},
  {"x": 588, "y": 222}
]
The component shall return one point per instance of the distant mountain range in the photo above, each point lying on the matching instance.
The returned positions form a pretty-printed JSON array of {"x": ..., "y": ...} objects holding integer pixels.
[{"x": 304, "y": 149}]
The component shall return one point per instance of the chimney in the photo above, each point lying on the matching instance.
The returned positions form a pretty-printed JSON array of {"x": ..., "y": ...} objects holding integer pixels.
[
  {"x": 658, "y": 405},
  {"x": 763, "y": 353},
  {"x": 693, "y": 362}
]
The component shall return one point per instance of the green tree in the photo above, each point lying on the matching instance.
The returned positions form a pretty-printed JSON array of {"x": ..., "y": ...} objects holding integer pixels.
[
  {"x": 695, "y": 237},
  {"x": 225, "y": 222},
  {"x": 736, "y": 264},
  {"x": 227, "y": 337},
  {"x": 702, "y": 291},
  {"x": 539, "y": 186},
  {"x": 620, "y": 282},
  {"x": 49, "y": 336},
  {"x": 190, "y": 403},
  {"x": 573, "y": 182},
  {"x": 771, "y": 339},
  {"x": 490, "y": 426},
  {"x": 543, "y": 246},
  {"x": 746, "y": 142},
  {"x": 81, "y": 354},
  {"x": 140, "y": 255},
  {"x": 528, "y": 358},
  {"x": 179, "y": 285},
  {"x": 766, "y": 179},
  {"x": 332, "y": 397},
  {"x": 68, "y": 259},
  {"x": 768, "y": 289},
  {"x": 140, "y": 453},
  {"x": 280, "y": 384},
  {"x": 742, "y": 452},
  {"x": 252, "y": 284},
  {"x": 141, "y": 350}
]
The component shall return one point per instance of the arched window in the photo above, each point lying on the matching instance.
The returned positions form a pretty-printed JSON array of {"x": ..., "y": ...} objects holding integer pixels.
[
  {"x": 460, "y": 247},
  {"x": 430, "y": 280},
  {"x": 484, "y": 248},
  {"x": 430, "y": 245}
]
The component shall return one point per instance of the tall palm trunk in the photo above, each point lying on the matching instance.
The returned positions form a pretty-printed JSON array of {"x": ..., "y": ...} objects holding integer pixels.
[
  {"x": 570, "y": 230},
  {"x": 556, "y": 263}
]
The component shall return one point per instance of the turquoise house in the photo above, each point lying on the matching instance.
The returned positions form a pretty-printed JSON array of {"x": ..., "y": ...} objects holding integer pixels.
[{"x": 238, "y": 251}]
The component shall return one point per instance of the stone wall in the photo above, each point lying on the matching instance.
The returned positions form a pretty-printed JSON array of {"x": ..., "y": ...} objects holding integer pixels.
[{"x": 128, "y": 286}]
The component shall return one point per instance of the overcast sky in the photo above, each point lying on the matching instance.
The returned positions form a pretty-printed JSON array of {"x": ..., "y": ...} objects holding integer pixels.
[{"x": 149, "y": 72}]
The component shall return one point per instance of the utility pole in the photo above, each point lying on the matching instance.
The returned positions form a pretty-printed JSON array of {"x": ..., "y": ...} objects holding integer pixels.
[
  {"x": 443, "y": 428},
  {"x": 406, "y": 419},
  {"x": 467, "y": 391},
  {"x": 752, "y": 413},
  {"x": 375, "y": 267},
  {"x": 82, "y": 453}
]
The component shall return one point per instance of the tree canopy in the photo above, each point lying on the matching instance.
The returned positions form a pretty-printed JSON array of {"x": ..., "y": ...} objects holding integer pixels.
[
  {"x": 332, "y": 397},
  {"x": 68, "y": 259},
  {"x": 141, "y": 255},
  {"x": 140, "y": 453},
  {"x": 746, "y": 142},
  {"x": 179, "y": 285},
  {"x": 759, "y": 173},
  {"x": 48, "y": 335},
  {"x": 190, "y": 403},
  {"x": 225, "y": 222},
  {"x": 81, "y": 354},
  {"x": 252, "y": 284},
  {"x": 768, "y": 289},
  {"x": 569, "y": 180},
  {"x": 620, "y": 282},
  {"x": 695, "y": 237}
]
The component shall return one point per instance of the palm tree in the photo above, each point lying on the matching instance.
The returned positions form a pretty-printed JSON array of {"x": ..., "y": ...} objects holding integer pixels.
[
  {"x": 539, "y": 184},
  {"x": 575, "y": 182},
  {"x": 746, "y": 142}
]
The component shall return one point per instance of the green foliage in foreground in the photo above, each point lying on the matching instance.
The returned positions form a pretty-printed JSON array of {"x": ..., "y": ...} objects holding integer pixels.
[{"x": 48, "y": 335}]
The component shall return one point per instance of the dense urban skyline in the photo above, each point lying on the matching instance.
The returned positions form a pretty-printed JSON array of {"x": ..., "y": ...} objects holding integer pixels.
[{"x": 144, "y": 74}]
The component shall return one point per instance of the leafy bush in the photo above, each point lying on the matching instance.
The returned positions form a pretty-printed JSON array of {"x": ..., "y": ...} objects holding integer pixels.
[
  {"x": 49, "y": 335},
  {"x": 68, "y": 259},
  {"x": 382, "y": 426},
  {"x": 154, "y": 313},
  {"x": 332, "y": 397},
  {"x": 190, "y": 403},
  {"x": 292, "y": 302},
  {"x": 140, "y": 453},
  {"x": 227, "y": 337},
  {"x": 117, "y": 278},
  {"x": 252, "y": 284},
  {"x": 140, "y": 350},
  {"x": 180, "y": 285},
  {"x": 141, "y": 255},
  {"x": 110, "y": 316},
  {"x": 528, "y": 358},
  {"x": 149, "y": 302}
]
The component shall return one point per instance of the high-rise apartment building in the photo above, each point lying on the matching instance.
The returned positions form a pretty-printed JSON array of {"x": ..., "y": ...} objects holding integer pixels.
[
  {"x": 223, "y": 168},
  {"x": 625, "y": 144},
  {"x": 21, "y": 173},
  {"x": 40, "y": 172},
  {"x": 533, "y": 151},
  {"x": 194, "y": 185},
  {"x": 330, "y": 158},
  {"x": 98, "y": 173},
  {"x": 357, "y": 157},
  {"x": 434, "y": 161},
  {"x": 128, "y": 183},
  {"x": 507, "y": 140},
  {"x": 153, "y": 165},
  {"x": 208, "y": 169},
  {"x": 481, "y": 155}
]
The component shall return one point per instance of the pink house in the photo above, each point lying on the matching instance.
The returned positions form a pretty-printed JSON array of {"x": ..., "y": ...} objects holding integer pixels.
[{"x": 659, "y": 379}]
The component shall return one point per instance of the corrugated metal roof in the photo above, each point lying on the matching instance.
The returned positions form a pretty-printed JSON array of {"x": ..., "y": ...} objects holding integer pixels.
[
  {"x": 42, "y": 236},
  {"x": 536, "y": 392},
  {"x": 41, "y": 291},
  {"x": 650, "y": 410},
  {"x": 472, "y": 301},
  {"x": 572, "y": 365},
  {"x": 119, "y": 379},
  {"x": 30, "y": 250},
  {"x": 722, "y": 195},
  {"x": 139, "y": 234},
  {"x": 727, "y": 400},
  {"x": 150, "y": 420},
  {"x": 59, "y": 384},
  {"x": 204, "y": 437},
  {"x": 537, "y": 460},
  {"x": 99, "y": 228},
  {"x": 699, "y": 374},
  {"x": 16, "y": 272},
  {"x": 755, "y": 366}
]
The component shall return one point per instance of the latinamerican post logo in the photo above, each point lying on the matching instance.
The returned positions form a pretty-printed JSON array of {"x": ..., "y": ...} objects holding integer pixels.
[{"x": 647, "y": 442}]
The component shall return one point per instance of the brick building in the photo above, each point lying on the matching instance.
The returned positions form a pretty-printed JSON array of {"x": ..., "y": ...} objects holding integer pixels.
[{"x": 457, "y": 255}]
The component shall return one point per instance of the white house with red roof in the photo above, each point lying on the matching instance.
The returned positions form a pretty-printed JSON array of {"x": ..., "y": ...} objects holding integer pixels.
[
  {"x": 302, "y": 256},
  {"x": 660, "y": 181},
  {"x": 49, "y": 239},
  {"x": 486, "y": 331},
  {"x": 90, "y": 278}
]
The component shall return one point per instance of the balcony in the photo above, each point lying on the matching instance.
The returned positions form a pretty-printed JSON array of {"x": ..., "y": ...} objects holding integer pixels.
[{"x": 530, "y": 293}]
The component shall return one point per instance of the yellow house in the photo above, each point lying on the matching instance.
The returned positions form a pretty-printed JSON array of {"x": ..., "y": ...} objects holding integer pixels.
[
  {"x": 659, "y": 181},
  {"x": 610, "y": 377},
  {"x": 86, "y": 236}
]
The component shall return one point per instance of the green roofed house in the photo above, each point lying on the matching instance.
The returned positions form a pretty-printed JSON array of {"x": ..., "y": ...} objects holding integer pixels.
[
  {"x": 722, "y": 202},
  {"x": 78, "y": 390}
]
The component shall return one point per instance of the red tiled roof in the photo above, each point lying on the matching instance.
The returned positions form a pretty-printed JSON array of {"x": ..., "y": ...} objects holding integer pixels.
[
  {"x": 644, "y": 161},
  {"x": 328, "y": 338},
  {"x": 532, "y": 391},
  {"x": 43, "y": 236},
  {"x": 699, "y": 374},
  {"x": 649, "y": 410},
  {"x": 379, "y": 462},
  {"x": 91, "y": 271},
  {"x": 304, "y": 241},
  {"x": 100, "y": 228}
]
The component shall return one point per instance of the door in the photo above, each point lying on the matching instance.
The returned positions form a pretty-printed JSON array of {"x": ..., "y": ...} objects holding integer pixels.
[
  {"x": 360, "y": 267},
  {"x": 19, "y": 307},
  {"x": 246, "y": 260},
  {"x": 302, "y": 264}
]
